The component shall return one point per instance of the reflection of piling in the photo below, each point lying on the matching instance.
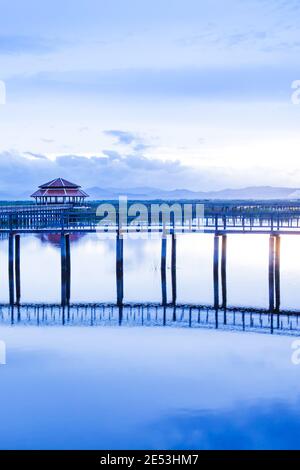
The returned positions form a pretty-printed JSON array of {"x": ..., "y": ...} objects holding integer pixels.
[
  {"x": 12, "y": 315},
  {"x": 271, "y": 271},
  {"x": 174, "y": 314},
  {"x": 277, "y": 273},
  {"x": 119, "y": 268},
  {"x": 272, "y": 324},
  {"x": 223, "y": 271},
  {"x": 173, "y": 269},
  {"x": 19, "y": 313},
  {"x": 120, "y": 315},
  {"x": 11, "y": 268},
  {"x": 216, "y": 271},
  {"x": 164, "y": 316},
  {"x": 17, "y": 269},
  {"x": 163, "y": 267},
  {"x": 217, "y": 318}
]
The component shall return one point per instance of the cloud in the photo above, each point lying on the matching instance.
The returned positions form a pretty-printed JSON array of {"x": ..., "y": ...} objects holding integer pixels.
[
  {"x": 244, "y": 82},
  {"x": 36, "y": 155},
  {"x": 128, "y": 138},
  {"x": 269, "y": 40},
  {"x": 20, "y": 174},
  {"x": 122, "y": 137},
  {"x": 18, "y": 44},
  {"x": 112, "y": 154}
]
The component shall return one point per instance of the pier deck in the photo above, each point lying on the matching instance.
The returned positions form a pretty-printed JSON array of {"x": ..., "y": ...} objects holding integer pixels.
[{"x": 217, "y": 217}]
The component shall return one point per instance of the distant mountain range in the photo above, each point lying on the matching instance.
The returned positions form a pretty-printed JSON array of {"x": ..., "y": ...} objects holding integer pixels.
[{"x": 252, "y": 192}]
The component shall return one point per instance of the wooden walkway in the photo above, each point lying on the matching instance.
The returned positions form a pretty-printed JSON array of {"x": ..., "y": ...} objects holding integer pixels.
[
  {"x": 256, "y": 218},
  {"x": 219, "y": 219}
]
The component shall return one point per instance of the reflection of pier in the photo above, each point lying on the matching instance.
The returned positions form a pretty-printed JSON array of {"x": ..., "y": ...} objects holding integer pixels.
[{"x": 151, "y": 315}]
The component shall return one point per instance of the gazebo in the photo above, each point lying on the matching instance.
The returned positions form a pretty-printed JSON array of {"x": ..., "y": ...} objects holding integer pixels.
[{"x": 59, "y": 191}]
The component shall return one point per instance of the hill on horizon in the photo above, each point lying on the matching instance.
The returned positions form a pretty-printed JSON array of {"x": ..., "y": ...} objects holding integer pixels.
[
  {"x": 251, "y": 192},
  {"x": 142, "y": 193}
]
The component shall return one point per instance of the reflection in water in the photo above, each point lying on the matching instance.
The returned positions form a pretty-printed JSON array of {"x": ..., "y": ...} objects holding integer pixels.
[
  {"x": 151, "y": 315},
  {"x": 253, "y": 426},
  {"x": 120, "y": 388},
  {"x": 54, "y": 238},
  {"x": 182, "y": 384}
]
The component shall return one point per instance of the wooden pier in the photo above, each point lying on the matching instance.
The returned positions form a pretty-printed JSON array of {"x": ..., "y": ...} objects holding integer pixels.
[{"x": 219, "y": 219}]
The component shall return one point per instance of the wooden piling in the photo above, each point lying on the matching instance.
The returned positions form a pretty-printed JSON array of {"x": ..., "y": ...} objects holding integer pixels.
[
  {"x": 11, "y": 268},
  {"x": 163, "y": 268},
  {"x": 68, "y": 268},
  {"x": 277, "y": 273},
  {"x": 216, "y": 271},
  {"x": 224, "y": 271},
  {"x": 173, "y": 269},
  {"x": 17, "y": 269},
  {"x": 63, "y": 270},
  {"x": 271, "y": 272},
  {"x": 119, "y": 268}
]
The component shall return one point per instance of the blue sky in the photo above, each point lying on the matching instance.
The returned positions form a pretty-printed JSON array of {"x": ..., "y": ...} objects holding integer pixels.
[{"x": 169, "y": 93}]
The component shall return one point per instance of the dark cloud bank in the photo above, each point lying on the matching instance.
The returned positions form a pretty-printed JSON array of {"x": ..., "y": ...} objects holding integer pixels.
[{"x": 20, "y": 174}]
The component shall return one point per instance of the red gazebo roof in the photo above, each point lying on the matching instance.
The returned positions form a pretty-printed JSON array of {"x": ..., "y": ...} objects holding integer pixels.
[
  {"x": 59, "y": 187},
  {"x": 59, "y": 183}
]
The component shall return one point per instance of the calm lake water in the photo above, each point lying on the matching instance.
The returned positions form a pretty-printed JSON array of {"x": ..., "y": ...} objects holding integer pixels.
[{"x": 110, "y": 387}]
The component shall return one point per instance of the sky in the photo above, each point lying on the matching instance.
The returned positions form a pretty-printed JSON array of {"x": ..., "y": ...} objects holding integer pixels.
[{"x": 157, "y": 93}]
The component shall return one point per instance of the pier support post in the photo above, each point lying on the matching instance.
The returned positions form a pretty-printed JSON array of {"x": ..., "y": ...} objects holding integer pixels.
[
  {"x": 63, "y": 250},
  {"x": 119, "y": 268},
  {"x": 271, "y": 272},
  {"x": 17, "y": 269},
  {"x": 224, "y": 271},
  {"x": 277, "y": 273},
  {"x": 68, "y": 268},
  {"x": 173, "y": 269},
  {"x": 163, "y": 269},
  {"x": 216, "y": 271},
  {"x": 11, "y": 268}
]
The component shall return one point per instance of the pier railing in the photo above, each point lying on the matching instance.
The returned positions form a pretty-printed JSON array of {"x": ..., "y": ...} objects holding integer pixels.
[{"x": 229, "y": 218}]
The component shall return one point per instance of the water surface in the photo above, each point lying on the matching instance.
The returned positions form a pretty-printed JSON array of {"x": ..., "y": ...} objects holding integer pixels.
[{"x": 142, "y": 384}]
